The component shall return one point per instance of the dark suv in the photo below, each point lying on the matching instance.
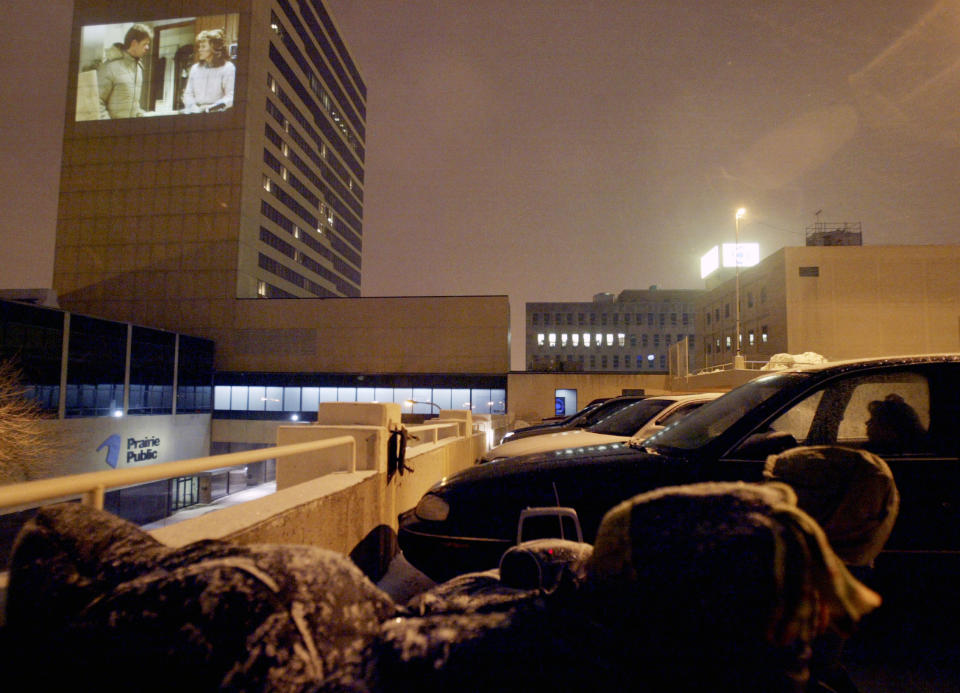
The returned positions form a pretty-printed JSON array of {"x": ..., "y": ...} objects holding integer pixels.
[{"x": 467, "y": 520}]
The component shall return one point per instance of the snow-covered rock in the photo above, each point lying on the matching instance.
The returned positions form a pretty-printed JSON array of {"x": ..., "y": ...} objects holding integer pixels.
[{"x": 780, "y": 362}]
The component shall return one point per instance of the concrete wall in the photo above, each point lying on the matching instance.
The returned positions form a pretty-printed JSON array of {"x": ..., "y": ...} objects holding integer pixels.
[
  {"x": 436, "y": 334},
  {"x": 350, "y": 512},
  {"x": 531, "y": 395},
  {"x": 873, "y": 300}
]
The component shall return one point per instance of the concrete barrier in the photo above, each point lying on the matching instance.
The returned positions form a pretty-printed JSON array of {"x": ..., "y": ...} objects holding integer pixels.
[{"x": 321, "y": 501}]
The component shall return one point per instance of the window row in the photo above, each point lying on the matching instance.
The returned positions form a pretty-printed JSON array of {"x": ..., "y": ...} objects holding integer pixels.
[
  {"x": 297, "y": 400},
  {"x": 649, "y": 319},
  {"x": 348, "y": 224},
  {"x": 106, "y": 362},
  {"x": 587, "y": 339},
  {"x": 604, "y": 362},
  {"x": 716, "y": 344},
  {"x": 713, "y": 314}
]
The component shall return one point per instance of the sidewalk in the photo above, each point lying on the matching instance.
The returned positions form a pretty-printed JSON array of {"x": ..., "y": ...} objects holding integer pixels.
[{"x": 248, "y": 494}]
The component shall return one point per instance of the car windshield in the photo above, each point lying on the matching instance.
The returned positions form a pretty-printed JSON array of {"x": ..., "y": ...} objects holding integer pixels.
[
  {"x": 602, "y": 411},
  {"x": 714, "y": 418},
  {"x": 626, "y": 421}
]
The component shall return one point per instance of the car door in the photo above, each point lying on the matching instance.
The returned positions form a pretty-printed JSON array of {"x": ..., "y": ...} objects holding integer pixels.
[{"x": 924, "y": 462}]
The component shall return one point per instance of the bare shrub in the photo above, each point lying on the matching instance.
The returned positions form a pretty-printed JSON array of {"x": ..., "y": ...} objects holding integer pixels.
[{"x": 25, "y": 448}]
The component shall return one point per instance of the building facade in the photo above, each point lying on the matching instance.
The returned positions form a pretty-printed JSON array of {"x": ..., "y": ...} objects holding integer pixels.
[
  {"x": 843, "y": 301},
  {"x": 180, "y": 210},
  {"x": 627, "y": 332}
]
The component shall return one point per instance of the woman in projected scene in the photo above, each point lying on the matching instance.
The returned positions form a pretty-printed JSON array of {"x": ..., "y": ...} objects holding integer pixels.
[{"x": 210, "y": 82}]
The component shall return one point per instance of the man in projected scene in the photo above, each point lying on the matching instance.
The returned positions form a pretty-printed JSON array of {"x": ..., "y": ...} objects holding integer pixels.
[
  {"x": 120, "y": 75},
  {"x": 210, "y": 83}
]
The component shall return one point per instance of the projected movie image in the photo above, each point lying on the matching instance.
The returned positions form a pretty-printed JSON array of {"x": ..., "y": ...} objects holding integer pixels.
[{"x": 157, "y": 68}]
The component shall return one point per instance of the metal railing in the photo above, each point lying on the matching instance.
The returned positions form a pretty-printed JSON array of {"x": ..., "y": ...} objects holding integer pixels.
[
  {"x": 92, "y": 486},
  {"x": 749, "y": 365}
]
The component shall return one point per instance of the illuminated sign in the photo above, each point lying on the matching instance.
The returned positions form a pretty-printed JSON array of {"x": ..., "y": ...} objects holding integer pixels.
[
  {"x": 742, "y": 255},
  {"x": 157, "y": 68},
  {"x": 710, "y": 262},
  {"x": 729, "y": 255}
]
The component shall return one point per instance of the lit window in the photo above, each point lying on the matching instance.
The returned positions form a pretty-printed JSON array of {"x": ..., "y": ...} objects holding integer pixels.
[
  {"x": 271, "y": 84},
  {"x": 586, "y": 339},
  {"x": 283, "y": 173},
  {"x": 323, "y": 151},
  {"x": 599, "y": 339},
  {"x": 751, "y": 338},
  {"x": 552, "y": 339},
  {"x": 267, "y": 184},
  {"x": 285, "y": 148},
  {"x": 575, "y": 339},
  {"x": 296, "y": 231},
  {"x": 763, "y": 334},
  {"x": 728, "y": 342},
  {"x": 563, "y": 339},
  {"x": 621, "y": 339},
  {"x": 262, "y": 289},
  {"x": 540, "y": 339},
  {"x": 330, "y": 215},
  {"x": 650, "y": 357},
  {"x": 609, "y": 339}
]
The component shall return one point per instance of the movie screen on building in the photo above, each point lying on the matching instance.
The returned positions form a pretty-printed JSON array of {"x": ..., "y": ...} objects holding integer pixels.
[{"x": 157, "y": 68}]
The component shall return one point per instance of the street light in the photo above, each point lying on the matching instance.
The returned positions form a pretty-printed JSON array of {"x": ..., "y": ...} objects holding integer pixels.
[
  {"x": 411, "y": 402},
  {"x": 738, "y": 357}
]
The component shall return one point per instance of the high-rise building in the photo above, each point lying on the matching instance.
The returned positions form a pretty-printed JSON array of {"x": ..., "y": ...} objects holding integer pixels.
[
  {"x": 213, "y": 152},
  {"x": 627, "y": 332}
]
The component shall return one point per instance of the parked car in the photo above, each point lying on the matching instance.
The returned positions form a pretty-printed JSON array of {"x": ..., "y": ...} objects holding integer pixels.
[
  {"x": 553, "y": 422},
  {"x": 467, "y": 520},
  {"x": 639, "y": 419},
  {"x": 585, "y": 417}
]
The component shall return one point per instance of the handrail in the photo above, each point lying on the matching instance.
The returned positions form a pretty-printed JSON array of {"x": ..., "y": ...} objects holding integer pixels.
[
  {"x": 414, "y": 428},
  {"x": 93, "y": 485}
]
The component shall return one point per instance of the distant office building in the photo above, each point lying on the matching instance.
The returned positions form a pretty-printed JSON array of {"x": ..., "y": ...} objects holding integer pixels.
[
  {"x": 838, "y": 301},
  {"x": 627, "y": 332},
  {"x": 224, "y": 162}
]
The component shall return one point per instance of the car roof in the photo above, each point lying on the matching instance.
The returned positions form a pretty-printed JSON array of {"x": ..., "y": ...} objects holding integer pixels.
[
  {"x": 845, "y": 364},
  {"x": 687, "y": 397}
]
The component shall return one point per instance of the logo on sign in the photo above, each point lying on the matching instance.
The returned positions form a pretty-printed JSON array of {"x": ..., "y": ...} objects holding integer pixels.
[{"x": 112, "y": 444}]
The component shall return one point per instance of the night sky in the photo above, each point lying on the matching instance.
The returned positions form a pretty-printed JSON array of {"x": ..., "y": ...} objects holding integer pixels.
[{"x": 553, "y": 149}]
